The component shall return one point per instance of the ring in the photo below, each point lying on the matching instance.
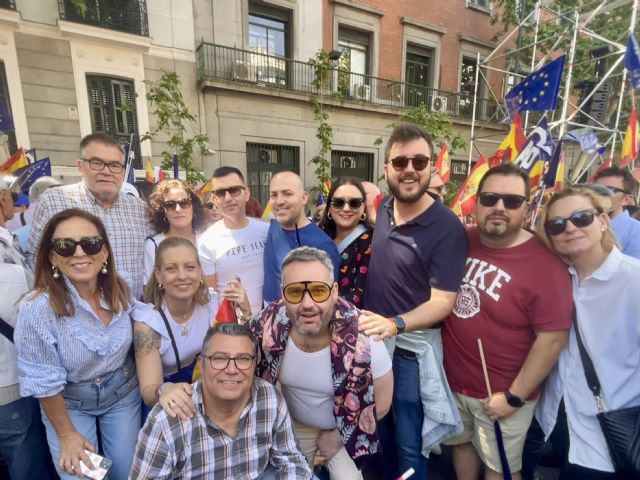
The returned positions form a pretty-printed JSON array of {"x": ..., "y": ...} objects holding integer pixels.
[
  {"x": 73, "y": 468},
  {"x": 172, "y": 403}
]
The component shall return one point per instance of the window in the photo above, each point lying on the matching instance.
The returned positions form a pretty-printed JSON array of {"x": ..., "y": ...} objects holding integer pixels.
[
  {"x": 354, "y": 45},
  {"x": 269, "y": 31},
  {"x": 124, "y": 15},
  {"x": 484, "y": 5},
  {"x": 467, "y": 85},
  {"x": 352, "y": 164},
  {"x": 264, "y": 161},
  {"x": 8, "y": 136},
  {"x": 418, "y": 75},
  {"x": 113, "y": 109}
]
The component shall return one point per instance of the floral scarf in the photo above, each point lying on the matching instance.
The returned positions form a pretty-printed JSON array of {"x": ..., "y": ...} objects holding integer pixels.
[{"x": 354, "y": 403}]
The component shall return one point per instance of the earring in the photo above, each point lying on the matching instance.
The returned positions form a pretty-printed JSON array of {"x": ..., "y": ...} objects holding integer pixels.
[
  {"x": 329, "y": 215},
  {"x": 56, "y": 272},
  {"x": 363, "y": 217},
  {"x": 159, "y": 286},
  {"x": 104, "y": 270}
]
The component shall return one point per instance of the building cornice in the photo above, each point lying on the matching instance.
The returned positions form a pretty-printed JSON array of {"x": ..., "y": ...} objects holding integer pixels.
[
  {"x": 79, "y": 30},
  {"x": 476, "y": 41},
  {"x": 423, "y": 25},
  {"x": 360, "y": 6},
  {"x": 10, "y": 18}
]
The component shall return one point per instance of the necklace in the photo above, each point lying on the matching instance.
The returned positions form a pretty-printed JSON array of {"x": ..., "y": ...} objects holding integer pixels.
[{"x": 185, "y": 317}]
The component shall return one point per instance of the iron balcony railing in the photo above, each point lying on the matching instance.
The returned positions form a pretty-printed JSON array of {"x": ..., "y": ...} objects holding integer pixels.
[
  {"x": 10, "y": 4},
  {"x": 128, "y": 16},
  {"x": 255, "y": 68}
]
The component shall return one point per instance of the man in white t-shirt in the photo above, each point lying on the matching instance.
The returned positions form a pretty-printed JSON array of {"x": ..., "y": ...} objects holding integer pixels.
[
  {"x": 231, "y": 249},
  {"x": 335, "y": 380}
]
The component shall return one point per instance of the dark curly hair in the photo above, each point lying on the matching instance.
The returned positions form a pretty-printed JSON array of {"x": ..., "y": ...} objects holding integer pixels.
[
  {"x": 327, "y": 223},
  {"x": 156, "y": 211}
]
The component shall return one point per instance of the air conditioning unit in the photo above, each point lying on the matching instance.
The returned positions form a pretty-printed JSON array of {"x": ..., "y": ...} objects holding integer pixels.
[
  {"x": 244, "y": 71},
  {"x": 268, "y": 155},
  {"x": 362, "y": 92},
  {"x": 439, "y": 104}
]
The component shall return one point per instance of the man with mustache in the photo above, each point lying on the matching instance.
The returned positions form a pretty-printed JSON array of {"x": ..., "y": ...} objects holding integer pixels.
[{"x": 516, "y": 297}]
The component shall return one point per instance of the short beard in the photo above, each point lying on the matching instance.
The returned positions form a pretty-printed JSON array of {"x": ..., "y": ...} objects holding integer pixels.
[
  {"x": 497, "y": 231},
  {"x": 325, "y": 319},
  {"x": 395, "y": 190}
]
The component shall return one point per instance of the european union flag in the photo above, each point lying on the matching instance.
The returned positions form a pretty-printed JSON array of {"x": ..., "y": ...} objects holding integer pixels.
[
  {"x": 538, "y": 91},
  {"x": 29, "y": 174},
  {"x": 632, "y": 61}
]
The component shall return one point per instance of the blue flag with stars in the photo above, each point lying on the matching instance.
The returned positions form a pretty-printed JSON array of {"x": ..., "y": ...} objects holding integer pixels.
[
  {"x": 29, "y": 174},
  {"x": 632, "y": 61},
  {"x": 538, "y": 91}
]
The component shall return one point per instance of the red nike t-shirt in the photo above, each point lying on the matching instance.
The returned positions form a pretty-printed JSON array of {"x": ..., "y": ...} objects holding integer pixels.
[{"x": 506, "y": 296}]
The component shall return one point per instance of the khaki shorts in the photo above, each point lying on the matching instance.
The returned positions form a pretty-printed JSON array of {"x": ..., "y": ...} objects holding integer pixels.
[{"x": 479, "y": 430}]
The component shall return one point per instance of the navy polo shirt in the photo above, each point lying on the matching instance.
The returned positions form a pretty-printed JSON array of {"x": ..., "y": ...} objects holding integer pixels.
[{"x": 409, "y": 259}]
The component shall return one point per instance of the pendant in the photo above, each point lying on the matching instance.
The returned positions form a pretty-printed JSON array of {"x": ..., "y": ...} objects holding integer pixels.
[{"x": 184, "y": 331}]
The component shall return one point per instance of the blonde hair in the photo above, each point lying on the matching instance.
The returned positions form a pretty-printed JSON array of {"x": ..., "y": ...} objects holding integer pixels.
[{"x": 608, "y": 240}]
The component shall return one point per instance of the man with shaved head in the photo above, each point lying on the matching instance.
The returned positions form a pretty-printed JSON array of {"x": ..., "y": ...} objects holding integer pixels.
[{"x": 290, "y": 229}]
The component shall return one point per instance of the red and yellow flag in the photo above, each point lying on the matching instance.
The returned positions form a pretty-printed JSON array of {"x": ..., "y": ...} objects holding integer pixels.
[
  {"x": 629, "y": 151},
  {"x": 149, "y": 172},
  {"x": 606, "y": 164},
  {"x": 15, "y": 162},
  {"x": 464, "y": 203},
  {"x": 536, "y": 174},
  {"x": 511, "y": 145},
  {"x": 443, "y": 164}
]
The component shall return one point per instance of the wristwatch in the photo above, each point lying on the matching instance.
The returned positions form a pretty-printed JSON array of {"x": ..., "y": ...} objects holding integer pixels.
[
  {"x": 514, "y": 400},
  {"x": 399, "y": 323}
]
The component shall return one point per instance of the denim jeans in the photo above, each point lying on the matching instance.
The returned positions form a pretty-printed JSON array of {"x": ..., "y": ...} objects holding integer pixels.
[
  {"x": 113, "y": 402},
  {"x": 22, "y": 440},
  {"x": 401, "y": 429}
]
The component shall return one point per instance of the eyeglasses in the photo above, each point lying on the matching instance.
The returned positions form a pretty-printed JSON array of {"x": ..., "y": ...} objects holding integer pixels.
[
  {"x": 580, "y": 219},
  {"x": 98, "y": 165},
  {"x": 234, "y": 191},
  {"x": 294, "y": 292},
  {"x": 221, "y": 362},
  {"x": 65, "y": 247},
  {"x": 618, "y": 190},
  {"x": 511, "y": 201},
  {"x": 437, "y": 190},
  {"x": 401, "y": 162},
  {"x": 171, "y": 205},
  {"x": 209, "y": 205},
  {"x": 354, "y": 203}
]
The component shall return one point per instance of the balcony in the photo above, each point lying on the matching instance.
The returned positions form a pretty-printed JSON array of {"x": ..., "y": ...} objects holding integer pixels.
[
  {"x": 8, "y": 4},
  {"x": 128, "y": 16},
  {"x": 284, "y": 74}
]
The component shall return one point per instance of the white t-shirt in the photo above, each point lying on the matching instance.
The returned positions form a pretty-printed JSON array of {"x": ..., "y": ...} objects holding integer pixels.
[
  {"x": 149, "y": 260},
  {"x": 307, "y": 382},
  {"x": 226, "y": 252},
  {"x": 188, "y": 335}
]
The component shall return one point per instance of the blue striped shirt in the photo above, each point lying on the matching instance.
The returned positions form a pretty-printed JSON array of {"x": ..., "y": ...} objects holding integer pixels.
[{"x": 55, "y": 350}]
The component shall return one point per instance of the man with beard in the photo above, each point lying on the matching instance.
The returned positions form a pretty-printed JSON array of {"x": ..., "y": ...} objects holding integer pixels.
[
  {"x": 418, "y": 252},
  {"x": 336, "y": 382},
  {"x": 515, "y": 297},
  {"x": 290, "y": 229}
]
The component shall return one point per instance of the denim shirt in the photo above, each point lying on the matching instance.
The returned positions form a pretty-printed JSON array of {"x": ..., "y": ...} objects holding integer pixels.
[{"x": 441, "y": 417}]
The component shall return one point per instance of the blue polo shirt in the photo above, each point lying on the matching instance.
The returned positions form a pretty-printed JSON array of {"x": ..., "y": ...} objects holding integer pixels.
[
  {"x": 627, "y": 230},
  {"x": 408, "y": 260}
]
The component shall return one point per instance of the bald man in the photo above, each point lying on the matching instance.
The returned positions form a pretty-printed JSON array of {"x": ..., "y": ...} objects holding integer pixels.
[{"x": 290, "y": 229}]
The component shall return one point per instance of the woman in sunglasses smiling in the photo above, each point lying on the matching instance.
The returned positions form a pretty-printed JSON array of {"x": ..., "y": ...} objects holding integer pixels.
[
  {"x": 211, "y": 211},
  {"x": 73, "y": 338},
  {"x": 346, "y": 222},
  {"x": 605, "y": 293},
  {"x": 176, "y": 211}
]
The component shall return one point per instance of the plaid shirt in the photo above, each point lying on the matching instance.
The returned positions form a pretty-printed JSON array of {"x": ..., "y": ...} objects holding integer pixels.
[
  {"x": 126, "y": 222},
  {"x": 170, "y": 448}
]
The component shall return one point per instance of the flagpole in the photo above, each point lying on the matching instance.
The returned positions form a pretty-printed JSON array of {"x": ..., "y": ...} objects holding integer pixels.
[
  {"x": 473, "y": 113},
  {"x": 127, "y": 159},
  {"x": 533, "y": 57}
]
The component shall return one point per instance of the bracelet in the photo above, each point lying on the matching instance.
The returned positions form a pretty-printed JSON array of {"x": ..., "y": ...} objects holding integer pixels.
[
  {"x": 395, "y": 327},
  {"x": 159, "y": 389}
]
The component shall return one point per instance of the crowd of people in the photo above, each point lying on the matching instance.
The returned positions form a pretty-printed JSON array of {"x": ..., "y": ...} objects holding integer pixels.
[{"x": 366, "y": 338}]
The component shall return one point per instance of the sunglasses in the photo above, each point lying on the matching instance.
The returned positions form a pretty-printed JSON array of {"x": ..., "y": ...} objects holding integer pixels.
[
  {"x": 354, "y": 203},
  {"x": 220, "y": 193},
  {"x": 510, "y": 201},
  {"x": 294, "y": 292},
  {"x": 401, "y": 162},
  {"x": 171, "y": 205},
  {"x": 65, "y": 247},
  {"x": 618, "y": 190},
  {"x": 580, "y": 219},
  {"x": 209, "y": 205}
]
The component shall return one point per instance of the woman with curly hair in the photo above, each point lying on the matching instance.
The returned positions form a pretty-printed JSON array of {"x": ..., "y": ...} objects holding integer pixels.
[
  {"x": 176, "y": 211},
  {"x": 346, "y": 222}
]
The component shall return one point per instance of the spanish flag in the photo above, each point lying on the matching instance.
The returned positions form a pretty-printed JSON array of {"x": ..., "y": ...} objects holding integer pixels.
[
  {"x": 443, "y": 164},
  {"x": 149, "y": 172},
  {"x": 629, "y": 151},
  {"x": 464, "y": 203},
  {"x": 606, "y": 164},
  {"x": 15, "y": 162},
  {"x": 511, "y": 145}
]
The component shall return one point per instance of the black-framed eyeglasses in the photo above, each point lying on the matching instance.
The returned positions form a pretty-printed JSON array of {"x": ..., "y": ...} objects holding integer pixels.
[
  {"x": 210, "y": 206},
  {"x": 618, "y": 190},
  {"x": 66, "y": 247},
  {"x": 401, "y": 162},
  {"x": 294, "y": 292},
  {"x": 580, "y": 219},
  {"x": 98, "y": 165},
  {"x": 354, "y": 203},
  {"x": 510, "y": 201},
  {"x": 234, "y": 191},
  {"x": 172, "y": 205},
  {"x": 221, "y": 362}
]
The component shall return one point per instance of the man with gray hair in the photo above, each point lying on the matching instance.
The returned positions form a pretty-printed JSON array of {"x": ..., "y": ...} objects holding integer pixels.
[
  {"x": 336, "y": 382},
  {"x": 241, "y": 428}
]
